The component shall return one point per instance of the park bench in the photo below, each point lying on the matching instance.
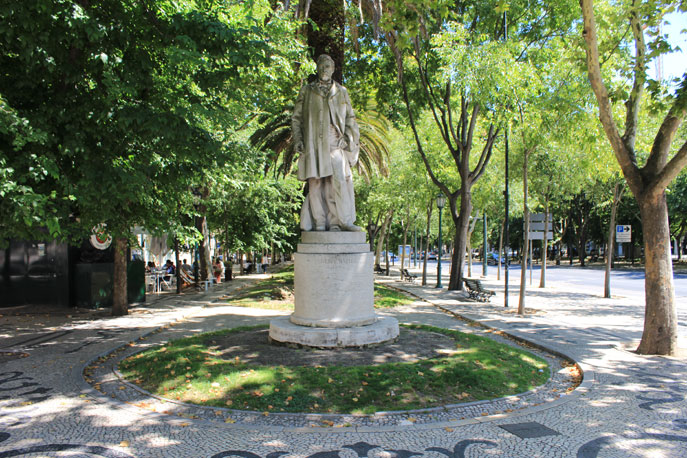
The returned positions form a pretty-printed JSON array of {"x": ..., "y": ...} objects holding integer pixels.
[
  {"x": 476, "y": 290},
  {"x": 379, "y": 270},
  {"x": 407, "y": 276}
]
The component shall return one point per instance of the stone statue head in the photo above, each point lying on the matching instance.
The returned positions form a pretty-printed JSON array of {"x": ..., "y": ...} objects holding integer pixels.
[{"x": 325, "y": 67}]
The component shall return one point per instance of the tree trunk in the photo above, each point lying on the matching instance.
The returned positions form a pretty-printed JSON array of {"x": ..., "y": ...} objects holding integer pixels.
[
  {"x": 468, "y": 242},
  {"x": 204, "y": 244},
  {"x": 327, "y": 37},
  {"x": 382, "y": 235},
  {"x": 203, "y": 247},
  {"x": 120, "y": 303},
  {"x": 678, "y": 243},
  {"x": 660, "y": 320},
  {"x": 371, "y": 236},
  {"x": 460, "y": 239},
  {"x": 581, "y": 246},
  {"x": 418, "y": 249},
  {"x": 430, "y": 207},
  {"x": 405, "y": 226}
]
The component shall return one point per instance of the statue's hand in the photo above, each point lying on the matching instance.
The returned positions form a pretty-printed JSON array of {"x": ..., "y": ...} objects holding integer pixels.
[
  {"x": 343, "y": 143},
  {"x": 299, "y": 147}
]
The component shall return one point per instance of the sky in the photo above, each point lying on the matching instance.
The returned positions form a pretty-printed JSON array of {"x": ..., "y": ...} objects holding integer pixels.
[{"x": 675, "y": 64}]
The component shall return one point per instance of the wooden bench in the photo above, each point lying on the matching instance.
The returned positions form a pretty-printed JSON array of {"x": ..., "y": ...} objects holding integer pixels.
[
  {"x": 476, "y": 290},
  {"x": 407, "y": 276},
  {"x": 379, "y": 270}
]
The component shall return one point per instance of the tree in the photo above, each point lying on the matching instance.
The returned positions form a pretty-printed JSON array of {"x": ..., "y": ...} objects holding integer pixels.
[
  {"x": 647, "y": 183},
  {"x": 250, "y": 212},
  {"x": 457, "y": 129},
  {"x": 120, "y": 109},
  {"x": 450, "y": 57}
]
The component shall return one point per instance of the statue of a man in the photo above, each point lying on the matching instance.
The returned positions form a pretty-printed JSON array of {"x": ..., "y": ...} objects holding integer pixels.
[{"x": 325, "y": 134}]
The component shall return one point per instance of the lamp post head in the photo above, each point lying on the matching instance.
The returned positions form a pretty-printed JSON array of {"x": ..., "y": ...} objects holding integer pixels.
[{"x": 441, "y": 201}]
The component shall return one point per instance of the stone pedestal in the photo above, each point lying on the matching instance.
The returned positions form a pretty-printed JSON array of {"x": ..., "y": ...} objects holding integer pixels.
[{"x": 334, "y": 294}]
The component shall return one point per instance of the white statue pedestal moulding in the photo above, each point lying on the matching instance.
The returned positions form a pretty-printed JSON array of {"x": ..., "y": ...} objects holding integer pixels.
[{"x": 334, "y": 295}]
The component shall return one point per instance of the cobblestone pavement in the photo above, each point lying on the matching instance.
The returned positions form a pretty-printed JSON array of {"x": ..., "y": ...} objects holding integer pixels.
[{"x": 627, "y": 406}]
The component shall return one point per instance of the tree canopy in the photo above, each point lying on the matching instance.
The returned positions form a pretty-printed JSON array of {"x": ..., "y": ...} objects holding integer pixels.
[{"x": 115, "y": 110}]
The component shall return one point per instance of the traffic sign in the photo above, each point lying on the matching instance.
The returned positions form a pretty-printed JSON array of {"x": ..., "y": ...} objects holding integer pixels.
[
  {"x": 540, "y": 226},
  {"x": 540, "y": 235},
  {"x": 623, "y": 233},
  {"x": 537, "y": 224}
]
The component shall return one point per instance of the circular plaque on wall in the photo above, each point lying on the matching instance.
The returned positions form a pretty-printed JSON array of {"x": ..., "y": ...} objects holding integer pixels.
[{"x": 100, "y": 238}]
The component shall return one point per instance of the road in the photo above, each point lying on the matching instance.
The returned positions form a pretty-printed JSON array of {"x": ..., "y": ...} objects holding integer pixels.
[
  {"x": 627, "y": 283},
  {"x": 623, "y": 282}
]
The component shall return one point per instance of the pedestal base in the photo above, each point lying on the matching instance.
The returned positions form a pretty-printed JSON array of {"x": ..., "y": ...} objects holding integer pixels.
[
  {"x": 334, "y": 295},
  {"x": 333, "y": 280},
  {"x": 284, "y": 331}
]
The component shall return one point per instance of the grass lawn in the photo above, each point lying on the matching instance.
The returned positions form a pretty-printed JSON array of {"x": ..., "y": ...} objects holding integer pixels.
[
  {"x": 192, "y": 370},
  {"x": 276, "y": 293}
]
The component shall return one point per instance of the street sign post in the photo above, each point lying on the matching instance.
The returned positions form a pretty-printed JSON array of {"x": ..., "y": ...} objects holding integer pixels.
[
  {"x": 623, "y": 233},
  {"x": 539, "y": 226}
]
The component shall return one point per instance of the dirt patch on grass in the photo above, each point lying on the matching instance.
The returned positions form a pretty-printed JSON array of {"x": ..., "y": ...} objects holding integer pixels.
[{"x": 253, "y": 347}]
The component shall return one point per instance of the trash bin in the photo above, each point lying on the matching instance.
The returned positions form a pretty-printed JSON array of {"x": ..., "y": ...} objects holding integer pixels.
[{"x": 227, "y": 271}]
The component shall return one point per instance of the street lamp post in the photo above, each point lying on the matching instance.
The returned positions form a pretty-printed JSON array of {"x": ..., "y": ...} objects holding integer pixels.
[
  {"x": 506, "y": 234},
  {"x": 441, "y": 202},
  {"x": 415, "y": 246},
  {"x": 484, "y": 246}
]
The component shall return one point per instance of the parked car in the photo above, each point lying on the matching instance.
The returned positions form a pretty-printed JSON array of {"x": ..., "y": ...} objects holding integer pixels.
[
  {"x": 493, "y": 259},
  {"x": 392, "y": 256}
]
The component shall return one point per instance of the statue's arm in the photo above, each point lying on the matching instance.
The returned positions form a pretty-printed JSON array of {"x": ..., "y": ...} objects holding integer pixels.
[{"x": 297, "y": 121}]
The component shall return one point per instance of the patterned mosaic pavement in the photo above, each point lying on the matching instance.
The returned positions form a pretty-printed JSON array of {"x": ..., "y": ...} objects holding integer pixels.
[{"x": 627, "y": 406}]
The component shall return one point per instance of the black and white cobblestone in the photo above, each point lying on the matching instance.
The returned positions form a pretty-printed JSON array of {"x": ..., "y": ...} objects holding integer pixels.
[{"x": 628, "y": 405}]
